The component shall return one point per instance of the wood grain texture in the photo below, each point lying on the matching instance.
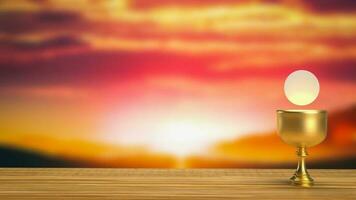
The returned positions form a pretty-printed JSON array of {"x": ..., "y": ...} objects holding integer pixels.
[{"x": 26, "y": 183}]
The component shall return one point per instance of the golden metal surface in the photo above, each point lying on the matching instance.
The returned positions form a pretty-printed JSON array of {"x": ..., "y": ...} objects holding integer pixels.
[{"x": 302, "y": 129}]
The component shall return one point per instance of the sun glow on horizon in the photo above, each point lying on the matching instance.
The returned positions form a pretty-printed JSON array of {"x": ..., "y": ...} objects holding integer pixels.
[
  {"x": 179, "y": 132},
  {"x": 183, "y": 137}
]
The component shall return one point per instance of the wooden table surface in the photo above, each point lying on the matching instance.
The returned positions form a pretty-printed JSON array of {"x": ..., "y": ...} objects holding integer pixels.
[{"x": 27, "y": 183}]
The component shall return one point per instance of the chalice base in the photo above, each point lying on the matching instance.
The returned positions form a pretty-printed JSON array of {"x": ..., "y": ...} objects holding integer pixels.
[
  {"x": 302, "y": 180},
  {"x": 301, "y": 176}
]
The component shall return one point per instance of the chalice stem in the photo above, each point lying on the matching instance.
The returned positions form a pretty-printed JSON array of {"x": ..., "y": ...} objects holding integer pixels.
[{"x": 301, "y": 176}]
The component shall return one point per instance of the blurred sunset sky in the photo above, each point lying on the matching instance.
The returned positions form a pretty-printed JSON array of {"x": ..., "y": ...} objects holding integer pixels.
[{"x": 170, "y": 83}]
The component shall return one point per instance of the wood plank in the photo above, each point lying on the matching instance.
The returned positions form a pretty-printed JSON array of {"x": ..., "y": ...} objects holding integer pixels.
[{"x": 54, "y": 183}]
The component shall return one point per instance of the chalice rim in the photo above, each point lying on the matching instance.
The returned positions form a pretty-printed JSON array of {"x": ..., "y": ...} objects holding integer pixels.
[{"x": 309, "y": 111}]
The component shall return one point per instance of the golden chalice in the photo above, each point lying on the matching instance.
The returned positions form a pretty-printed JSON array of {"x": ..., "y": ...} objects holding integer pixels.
[{"x": 302, "y": 128}]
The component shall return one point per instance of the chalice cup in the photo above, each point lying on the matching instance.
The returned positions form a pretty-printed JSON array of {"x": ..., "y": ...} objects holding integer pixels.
[{"x": 302, "y": 129}]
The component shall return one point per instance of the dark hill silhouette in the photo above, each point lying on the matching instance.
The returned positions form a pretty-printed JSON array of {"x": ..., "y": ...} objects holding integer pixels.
[{"x": 13, "y": 157}]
